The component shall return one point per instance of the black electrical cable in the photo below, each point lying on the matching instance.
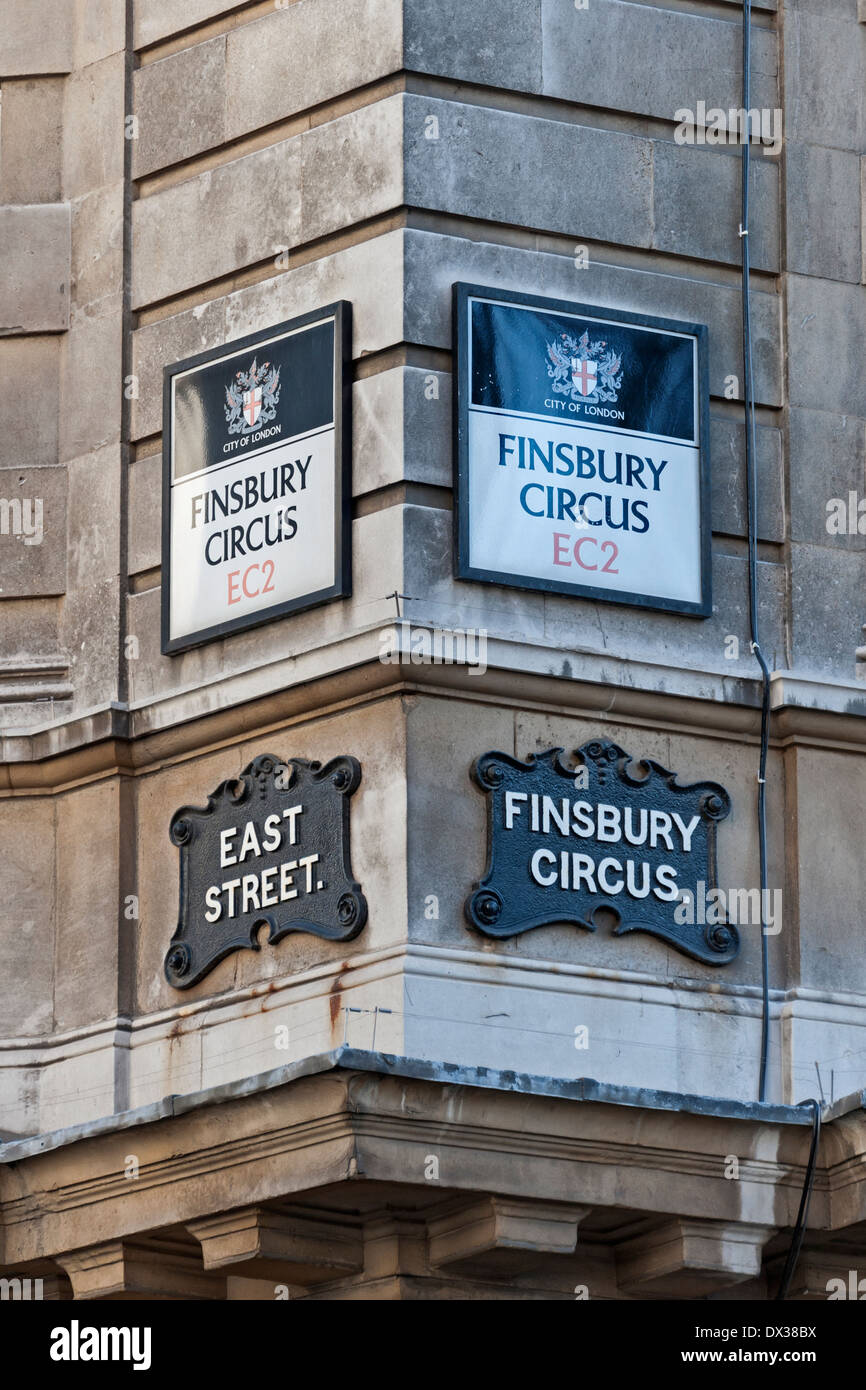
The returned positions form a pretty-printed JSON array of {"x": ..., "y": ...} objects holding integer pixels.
[
  {"x": 800, "y": 1228},
  {"x": 752, "y": 490}
]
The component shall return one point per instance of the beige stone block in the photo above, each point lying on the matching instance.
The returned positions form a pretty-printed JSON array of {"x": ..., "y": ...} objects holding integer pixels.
[
  {"x": 94, "y": 126},
  {"x": 28, "y": 918},
  {"x": 145, "y": 514},
  {"x": 401, "y": 420},
  {"x": 158, "y": 19},
  {"x": 91, "y": 387},
  {"x": 180, "y": 105},
  {"x": 352, "y": 168},
  {"x": 32, "y": 531},
  {"x": 20, "y": 51},
  {"x": 496, "y": 1237},
  {"x": 315, "y": 52},
  {"x": 28, "y": 436},
  {"x": 91, "y": 610},
  {"x": 251, "y": 207},
  {"x": 370, "y": 274},
  {"x": 34, "y": 290},
  {"x": 89, "y": 922},
  {"x": 149, "y": 1269},
  {"x": 30, "y": 136},
  {"x": 100, "y": 30},
  {"x": 97, "y": 249},
  {"x": 258, "y": 1242},
  {"x": 682, "y": 1258}
]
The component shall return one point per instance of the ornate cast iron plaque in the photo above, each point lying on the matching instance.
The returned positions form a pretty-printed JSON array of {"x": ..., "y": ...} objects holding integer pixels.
[
  {"x": 270, "y": 848},
  {"x": 565, "y": 841}
]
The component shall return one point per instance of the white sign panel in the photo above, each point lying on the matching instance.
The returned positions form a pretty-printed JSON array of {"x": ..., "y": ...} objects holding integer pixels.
[
  {"x": 256, "y": 479},
  {"x": 581, "y": 442}
]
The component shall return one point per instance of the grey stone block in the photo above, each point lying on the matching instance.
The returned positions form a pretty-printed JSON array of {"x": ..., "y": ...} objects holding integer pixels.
[
  {"x": 433, "y": 262},
  {"x": 650, "y": 60},
  {"x": 180, "y": 105},
  {"x": 823, "y": 212},
  {"x": 497, "y": 165},
  {"x": 30, "y": 138},
  {"x": 825, "y": 80},
  {"x": 826, "y": 332},
  {"x": 19, "y": 21},
  {"x": 351, "y": 168},
  {"x": 828, "y": 610},
  {"x": 32, "y": 531},
  {"x": 402, "y": 429},
  {"x": 827, "y": 459},
  {"x": 250, "y": 206},
  {"x": 314, "y": 52},
  {"x": 144, "y": 521},
  {"x": 28, "y": 437},
  {"x": 34, "y": 290},
  {"x": 27, "y": 952},
  {"x": 729, "y": 493},
  {"x": 696, "y": 204},
  {"x": 497, "y": 43}
]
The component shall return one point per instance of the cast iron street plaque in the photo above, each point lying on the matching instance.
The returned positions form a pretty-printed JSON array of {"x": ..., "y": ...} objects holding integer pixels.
[
  {"x": 270, "y": 848},
  {"x": 256, "y": 483},
  {"x": 565, "y": 841},
  {"x": 582, "y": 461}
]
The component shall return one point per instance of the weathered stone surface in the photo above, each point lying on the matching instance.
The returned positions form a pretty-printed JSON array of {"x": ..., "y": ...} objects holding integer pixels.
[
  {"x": 729, "y": 492},
  {"x": 169, "y": 340},
  {"x": 828, "y": 609},
  {"x": 97, "y": 249},
  {"x": 19, "y": 21},
  {"x": 696, "y": 204},
  {"x": 34, "y": 291},
  {"x": 823, "y": 199},
  {"x": 632, "y": 57},
  {"x": 180, "y": 105},
  {"x": 494, "y": 165},
  {"x": 251, "y": 207},
  {"x": 29, "y": 437},
  {"x": 827, "y": 459},
  {"x": 100, "y": 29},
  {"x": 90, "y": 418},
  {"x": 94, "y": 126},
  {"x": 402, "y": 427},
  {"x": 145, "y": 514},
  {"x": 30, "y": 140},
  {"x": 351, "y": 169},
  {"x": 27, "y": 940},
  {"x": 823, "y": 58},
  {"x": 315, "y": 51},
  {"x": 821, "y": 312},
  {"x": 497, "y": 43},
  {"x": 32, "y": 531},
  {"x": 85, "y": 988},
  {"x": 158, "y": 19}
]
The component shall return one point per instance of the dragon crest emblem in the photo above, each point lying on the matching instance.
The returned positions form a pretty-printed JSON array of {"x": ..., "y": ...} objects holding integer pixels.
[
  {"x": 252, "y": 398},
  {"x": 583, "y": 370}
]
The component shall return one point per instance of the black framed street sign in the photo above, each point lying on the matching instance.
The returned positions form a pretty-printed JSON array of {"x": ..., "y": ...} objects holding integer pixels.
[
  {"x": 256, "y": 484},
  {"x": 582, "y": 462}
]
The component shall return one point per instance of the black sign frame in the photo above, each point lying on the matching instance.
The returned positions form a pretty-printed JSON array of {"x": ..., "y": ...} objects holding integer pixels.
[
  {"x": 341, "y": 312},
  {"x": 462, "y": 292}
]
